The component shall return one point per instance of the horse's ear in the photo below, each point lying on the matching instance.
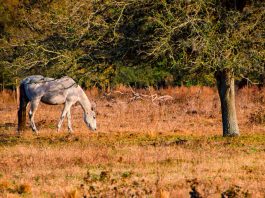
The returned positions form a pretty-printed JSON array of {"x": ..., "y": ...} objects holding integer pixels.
[{"x": 93, "y": 106}]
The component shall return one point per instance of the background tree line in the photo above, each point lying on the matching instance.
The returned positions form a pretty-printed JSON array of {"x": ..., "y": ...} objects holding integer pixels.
[{"x": 140, "y": 43}]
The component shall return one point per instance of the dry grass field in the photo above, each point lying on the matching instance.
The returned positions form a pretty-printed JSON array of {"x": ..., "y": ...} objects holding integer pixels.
[{"x": 168, "y": 147}]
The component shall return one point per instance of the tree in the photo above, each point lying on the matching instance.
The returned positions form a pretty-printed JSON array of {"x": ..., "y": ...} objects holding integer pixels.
[
  {"x": 219, "y": 37},
  {"x": 51, "y": 38},
  {"x": 240, "y": 48}
]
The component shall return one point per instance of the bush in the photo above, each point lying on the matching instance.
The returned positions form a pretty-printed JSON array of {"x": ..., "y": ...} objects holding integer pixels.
[{"x": 142, "y": 77}]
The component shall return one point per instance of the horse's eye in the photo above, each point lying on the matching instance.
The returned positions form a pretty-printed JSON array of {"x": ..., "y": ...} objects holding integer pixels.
[{"x": 94, "y": 117}]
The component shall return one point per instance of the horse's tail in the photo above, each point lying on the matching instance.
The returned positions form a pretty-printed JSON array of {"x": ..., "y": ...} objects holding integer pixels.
[{"x": 23, "y": 101}]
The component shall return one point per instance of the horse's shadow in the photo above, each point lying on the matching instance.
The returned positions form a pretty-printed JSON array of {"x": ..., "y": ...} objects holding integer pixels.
[
  {"x": 8, "y": 125},
  {"x": 8, "y": 139}
]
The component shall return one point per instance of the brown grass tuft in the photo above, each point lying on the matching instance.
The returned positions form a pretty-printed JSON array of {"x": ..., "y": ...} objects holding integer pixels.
[
  {"x": 72, "y": 194},
  {"x": 164, "y": 194},
  {"x": 23, "y": 188}
]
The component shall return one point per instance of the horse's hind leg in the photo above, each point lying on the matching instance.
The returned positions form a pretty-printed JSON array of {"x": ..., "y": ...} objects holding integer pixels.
[{"x": 33, "y": 107}]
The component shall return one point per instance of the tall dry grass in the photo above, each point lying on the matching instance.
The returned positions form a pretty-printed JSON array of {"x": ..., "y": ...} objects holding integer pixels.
[
  {"x": 143, "y": 148},
  {"x": 193, "y": 110}
]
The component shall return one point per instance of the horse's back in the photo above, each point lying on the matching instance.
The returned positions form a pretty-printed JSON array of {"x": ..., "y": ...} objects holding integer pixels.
[
  {"x": 59, "y": 90},
  {"x": 66, "y": 81},
  {"x": 38, "y": 86},
  {"x": 31, "y": 79},
  {"x": 60, "y": 84}
]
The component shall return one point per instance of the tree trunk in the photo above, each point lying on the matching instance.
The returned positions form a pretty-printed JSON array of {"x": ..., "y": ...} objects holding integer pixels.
[
  {"x": 226, "y": 90},
  {"x": 262, "y": 80},
  {"x": 17, "y": 92},
  {"x": 22, "y": 115}
]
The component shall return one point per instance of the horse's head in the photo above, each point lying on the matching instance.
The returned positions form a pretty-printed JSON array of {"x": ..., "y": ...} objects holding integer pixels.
[{"x": 90, "y": 117}]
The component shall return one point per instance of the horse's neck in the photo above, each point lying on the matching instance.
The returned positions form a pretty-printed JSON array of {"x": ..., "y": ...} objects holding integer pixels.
[{"x": 83, "y": 100}]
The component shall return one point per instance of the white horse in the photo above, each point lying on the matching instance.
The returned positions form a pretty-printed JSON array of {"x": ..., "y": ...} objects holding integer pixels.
[{"x": 36, "y": 89}]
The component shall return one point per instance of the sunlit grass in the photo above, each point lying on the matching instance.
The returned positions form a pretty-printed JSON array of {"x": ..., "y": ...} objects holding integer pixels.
[{"x": 141, "y": 149}]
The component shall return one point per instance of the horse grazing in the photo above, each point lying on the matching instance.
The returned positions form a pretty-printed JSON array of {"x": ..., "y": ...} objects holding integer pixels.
[{"x": 36, "y": 89}]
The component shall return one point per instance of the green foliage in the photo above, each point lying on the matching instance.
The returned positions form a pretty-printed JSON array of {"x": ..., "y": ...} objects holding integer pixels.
[
  {"x": 143, "y": 76},
  {"x": 137, "y": 43}
]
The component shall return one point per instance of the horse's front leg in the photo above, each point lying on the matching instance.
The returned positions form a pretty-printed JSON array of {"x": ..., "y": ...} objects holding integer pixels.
[
  {"x": 66, "y": 108},
  {"x": 33, "y": 108}
]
